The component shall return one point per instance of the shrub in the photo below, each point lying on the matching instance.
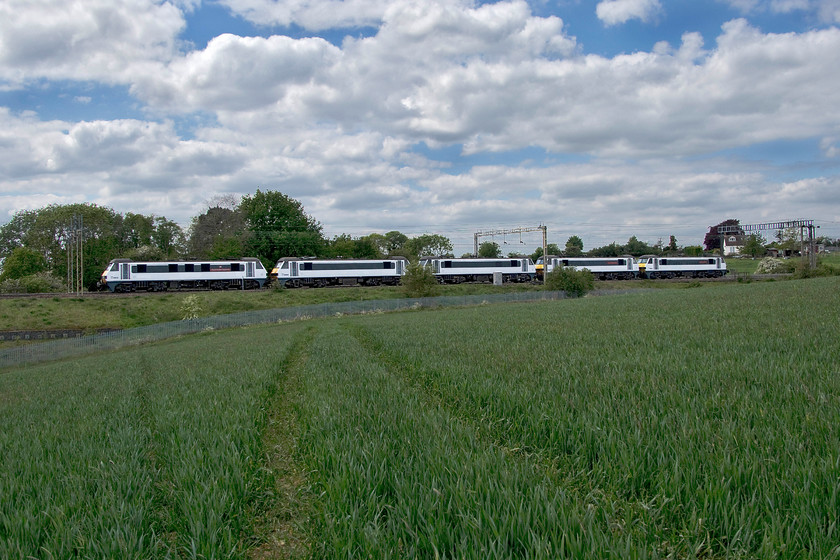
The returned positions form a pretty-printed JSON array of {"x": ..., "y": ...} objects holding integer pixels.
[
  {"x": 40, "y": 283},
  {"x": 803, "y": 270},
  {"x": 770, "y": 265},
  {"x": 419, "y": 281},
  {"x": 575, "y": 283},
  {"x": 191, "y": 307}
]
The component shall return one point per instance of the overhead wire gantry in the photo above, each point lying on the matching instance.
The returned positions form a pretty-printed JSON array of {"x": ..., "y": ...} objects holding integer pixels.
[
  {"x": 801, "y": 224},
  {"x": 520, "y": 230}
]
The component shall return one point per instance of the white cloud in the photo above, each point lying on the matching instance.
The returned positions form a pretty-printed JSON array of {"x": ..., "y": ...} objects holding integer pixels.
[
  {"x": 335, "y": 126},
  {"x": 311, "y": 14},
  {"x": 614, "y": 12},
  {"x": 827, "y": 11},
  {"x": 236, "y": 73},
  {"x": 102, "y": 40}
]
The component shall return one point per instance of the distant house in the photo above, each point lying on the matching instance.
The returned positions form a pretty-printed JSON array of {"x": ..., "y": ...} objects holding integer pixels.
[{"x": 732, "y": 244}]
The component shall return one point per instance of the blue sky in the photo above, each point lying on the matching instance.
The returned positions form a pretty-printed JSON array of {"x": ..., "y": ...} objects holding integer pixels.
[{"x": 598, "y": 119}]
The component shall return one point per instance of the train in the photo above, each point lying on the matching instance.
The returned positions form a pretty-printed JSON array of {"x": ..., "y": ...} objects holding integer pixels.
[
  {"x": 293, "y": 272},
  {"x": 455, "y": 271},
  {"x": 647, "y": 266},
  {"x": 651, "y": 266},
  {"x": 124, "y": 275}
]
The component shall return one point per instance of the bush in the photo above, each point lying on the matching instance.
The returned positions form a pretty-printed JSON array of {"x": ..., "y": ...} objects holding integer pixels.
[
  {"x": 40, "y": 283},
  {"x": 575, "y": 283},
  {"x": 191, "y": 307},
  {"x": 419, "y": 281},
  {"x": 803, "y": 270},
  {"x": 770, "y": 265}
]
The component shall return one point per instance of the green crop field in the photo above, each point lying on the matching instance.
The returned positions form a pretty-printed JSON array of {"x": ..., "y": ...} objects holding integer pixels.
[{"x": 693, "y": 423}]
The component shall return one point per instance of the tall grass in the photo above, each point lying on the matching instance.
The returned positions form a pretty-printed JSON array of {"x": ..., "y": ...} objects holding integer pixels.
[
  {"x": 696, "y": 423},
  {"x": 703, "y": 426},
  {"x": 147, "y": 453}
]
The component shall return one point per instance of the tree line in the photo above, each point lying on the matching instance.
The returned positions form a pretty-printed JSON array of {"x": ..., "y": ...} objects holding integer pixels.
[{"x": 268, "y": 225}]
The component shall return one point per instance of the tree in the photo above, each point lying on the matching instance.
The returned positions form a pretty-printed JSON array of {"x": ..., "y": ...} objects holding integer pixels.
[
  {"x": 552, "y": 248},
  {"x": 346, "y": 247},
  {"x": 754, "y": 246},
  {"x": 574, "y": 246},
  {"x": 48, "y": 231},
  {"x": 22, "y": 262},
  {"x": 638, "y": 248},
  {"x": 428, "y": 244},
  {"x": 217, "y": 226},
  {"x": 611, "y": 250},
  {"x": 136, "y": 230},
  {"x": 693, "y": 250},
  {"x": 489, "y": 250},
  {"x": 712, "y": 239},
  {"x": 279, "y": 227},
  {"x": 168, "y": 237},
  {"x": 788, "y": 239},
  {"x": 672, "y": 245},
  {"x": 394, "y": 241}
]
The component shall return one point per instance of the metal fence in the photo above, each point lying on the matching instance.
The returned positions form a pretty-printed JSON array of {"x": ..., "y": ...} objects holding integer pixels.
[{"x": 89, "y": 344}]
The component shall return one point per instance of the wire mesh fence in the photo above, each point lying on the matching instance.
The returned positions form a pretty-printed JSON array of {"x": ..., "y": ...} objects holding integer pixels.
[{"x": 89, "y": 344}]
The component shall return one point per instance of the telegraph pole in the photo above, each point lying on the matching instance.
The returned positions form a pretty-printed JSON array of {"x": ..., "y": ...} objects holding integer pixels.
[{"x": 75, "y": 255}]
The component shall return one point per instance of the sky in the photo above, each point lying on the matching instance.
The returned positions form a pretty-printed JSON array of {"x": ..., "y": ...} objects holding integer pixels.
[{"x": 601, "y": 119}]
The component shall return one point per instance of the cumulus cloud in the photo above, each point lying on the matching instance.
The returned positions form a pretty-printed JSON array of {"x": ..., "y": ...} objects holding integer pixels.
[
  {"x": 310, "y": 14},
  {"x": 827, "y": 11},
  {"x": 236, "y": 73},
  {"x": 614, "y": 12},
  {"x": 104, "y": 40},
  {"x": 343, "y": 128}
]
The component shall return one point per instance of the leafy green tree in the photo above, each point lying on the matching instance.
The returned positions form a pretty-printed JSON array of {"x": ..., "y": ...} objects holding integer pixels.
[
  {"x": 217, "y": 227},
  {"x": 754, "y": 246},
  {"x": 22, "y": 262},
  {"x": 552, "y": 248},
  {"x": 574, "y": 246},
  {"x": 489, "y": 250},
  {"x": 279, "y": 227},
  {"x": 638, "y": 248},
  {"x": 611, "y": 250},
  {"x": 672, "y": 245},
  {"x": 48, "y": 231},
  {"x": 394, "y": 241},
  {"x": 575, "y": 283},
  {"x": 378, "y": 242},
  {"x": 169, "y": 238},
  {"x": 428, "y": 244},
  {"x": 136, "y": 230},
  {"x": 345, "y": 246},
  {"x": 693, "y": 250}
]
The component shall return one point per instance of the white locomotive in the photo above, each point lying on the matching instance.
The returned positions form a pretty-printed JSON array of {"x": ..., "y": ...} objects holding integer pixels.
[
  {"x": 125, "y": 275},
  {"x": 293, "y": 272},
  {"x": 454, "y": 271},
  {"x": 608, "y": 268},
  {"x": 688, "y": 267}
]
